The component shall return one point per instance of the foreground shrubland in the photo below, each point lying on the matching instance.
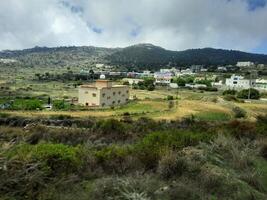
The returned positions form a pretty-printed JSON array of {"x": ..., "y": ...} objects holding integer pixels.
[{"x": 67, "y": 158}]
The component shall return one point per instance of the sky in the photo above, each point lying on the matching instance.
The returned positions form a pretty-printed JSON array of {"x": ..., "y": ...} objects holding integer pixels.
[{"x": 171, "y": 24}]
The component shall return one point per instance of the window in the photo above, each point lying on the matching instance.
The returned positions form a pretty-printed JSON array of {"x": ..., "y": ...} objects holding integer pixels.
[
  {"x": 85, "y": 92},
  {"x": 127, "y": 91},
  {"x": 114, "y": 93},
  {"x": 113, "y": 102},
  {"x": 103, "y": 95},
  {"x": 123, "y": 95},
  {"x": 119, "y": 101},
  {"x": 108, "y": 97},
  {"x": 103, "y": 104},
  {"x": 119, "y": 92},
  {"x": 235, "y": 82},
  {"x": 87, "y": 104},
  {"x": 94, "y": 94},
  {"x": 127, "y": 99}
]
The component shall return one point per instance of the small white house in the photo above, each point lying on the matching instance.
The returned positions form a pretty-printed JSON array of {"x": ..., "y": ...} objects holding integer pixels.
[
  {"x": 239, "y": 82},
  {"x": 163, "y": 78},
  {"x": 245, "y": 64},
  {"x": 132, "y": 81}
]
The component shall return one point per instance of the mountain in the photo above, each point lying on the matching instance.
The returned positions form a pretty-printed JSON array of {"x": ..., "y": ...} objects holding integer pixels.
[
  {"x": 147, "y": 54},
  {"x": 135, "y": 56}
]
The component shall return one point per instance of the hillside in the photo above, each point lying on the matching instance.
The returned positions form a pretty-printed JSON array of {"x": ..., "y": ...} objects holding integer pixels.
[{"x": 138, "y": 56}]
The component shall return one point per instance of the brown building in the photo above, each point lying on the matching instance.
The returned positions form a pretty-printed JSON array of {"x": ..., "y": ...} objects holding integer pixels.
[{"x": 103, "y": 94}]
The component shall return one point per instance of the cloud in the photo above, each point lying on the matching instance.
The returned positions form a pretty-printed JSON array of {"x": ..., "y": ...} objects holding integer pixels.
[{"x": 173, "y": 24}]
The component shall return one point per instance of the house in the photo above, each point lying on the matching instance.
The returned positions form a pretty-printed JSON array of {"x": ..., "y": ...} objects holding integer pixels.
[
  {"x": 183, "y": 72},
  {"x": 261, "y": 84},
  {"x": 163, "y": 78},
  {"x": 103, "y": 94},
  {"x": 245, "y": 64},
  {"x": 132, "y": 81},
  {"x": 239, "y": 82},
  {"x": 195, "y": 85}
]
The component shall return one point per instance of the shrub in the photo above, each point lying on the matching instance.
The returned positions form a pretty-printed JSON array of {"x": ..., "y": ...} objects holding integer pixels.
[
  {"x": 239, "y": 112},
  {"x": 60, "y": 105},
  {"x": 229, "y": 97},
  {"x": 57, "y": 157},
  {"x": 112, "y": 126},
  {"x": 170, "y": 97},
  {"x": 152, "y": 146},
  {"x": 113, "y": 158},
  {"x": 53, "y": 158},
  {"x": 229, "y": 92},
  {"x": 249, "y": 93},
  {"x": 171, "y": 165}
]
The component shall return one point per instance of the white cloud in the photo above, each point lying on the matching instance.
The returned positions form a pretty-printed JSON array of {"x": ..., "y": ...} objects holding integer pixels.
[{"x": 173, "y": 24}]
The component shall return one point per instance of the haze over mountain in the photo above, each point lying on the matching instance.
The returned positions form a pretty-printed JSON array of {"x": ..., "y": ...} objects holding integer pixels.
[{"x": 138, "y": 56}]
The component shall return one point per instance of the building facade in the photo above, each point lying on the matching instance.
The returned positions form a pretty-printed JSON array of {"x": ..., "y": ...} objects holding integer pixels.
[
  {"x": 245, "y": 64},
  {"x": 103, "y": 94},
  {"x": 239, "y": 82}
]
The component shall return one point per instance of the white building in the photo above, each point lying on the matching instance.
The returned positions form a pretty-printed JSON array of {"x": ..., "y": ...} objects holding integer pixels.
[
  {"x": 245, "y": 64},
  {"x": 132, "y": 81},
  {"x": 163, "y": 78},
  {"x": 261, "y": 84},
  {"x": 239, "y": 82}
]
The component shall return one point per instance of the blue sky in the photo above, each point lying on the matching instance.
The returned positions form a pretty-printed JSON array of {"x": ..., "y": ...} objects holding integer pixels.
[{"x": 172, "y": 24}]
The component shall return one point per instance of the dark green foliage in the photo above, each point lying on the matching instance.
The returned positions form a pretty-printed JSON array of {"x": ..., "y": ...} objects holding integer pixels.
[
  {"x": 147, "y": 84},
  {"x": 208, "y": 89},
  {"x": 229, "y": 92},
  {"x": 205, "y": 82},
  {"x": 169, "y": 98},
  {"x": 27, "y": 104},
  {"x": 153, "y": 145},
  {"x": 60, "y": 105},
  {"x": 249, "y": 93}
]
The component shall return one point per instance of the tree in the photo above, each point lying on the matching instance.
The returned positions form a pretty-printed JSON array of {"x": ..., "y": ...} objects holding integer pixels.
[{"x": 249, "y": 93}]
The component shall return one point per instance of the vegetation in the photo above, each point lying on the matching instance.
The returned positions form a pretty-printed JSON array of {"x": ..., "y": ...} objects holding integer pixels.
[
  {"x": 249, "y": 93},
  {"x": 136, "y": 159},
  {"x": 147, "y": 84},
  {"x": 142, "y": 56}
]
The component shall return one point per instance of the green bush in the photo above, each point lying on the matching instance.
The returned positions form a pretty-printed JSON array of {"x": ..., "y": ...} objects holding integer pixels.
[
  {"x": 249, "y": 93},
  {"x": 54, "y": 158},
  {"x": 27, "y": 104},
  {"x": 153, "y": 145},
  {"x": 112, "y": 126},
  {"x": 170, "y": 97},
  {"x": 60, "y": 105},
  {"x": 229, "y": 92},
  {"x": 239, "y": 112}
]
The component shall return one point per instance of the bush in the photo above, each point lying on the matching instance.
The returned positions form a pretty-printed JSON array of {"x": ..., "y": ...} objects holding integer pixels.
[
  {"x": 239, "y": 112},
  {"x": 230, "y": 97},
  {"x": 111, "y": 127},
  {"x": 170, "y": 97},
  {"x": 172, "y": 165},
  {"x": 152, "y": 146},
  {"x": 60, "y": 105},
  {"x": 229, "y": 92},
  {"x": 244, "y": 94}
]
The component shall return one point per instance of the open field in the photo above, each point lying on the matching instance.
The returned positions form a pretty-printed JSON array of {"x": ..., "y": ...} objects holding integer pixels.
[{"x": 153, "y": 104}]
